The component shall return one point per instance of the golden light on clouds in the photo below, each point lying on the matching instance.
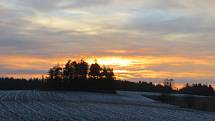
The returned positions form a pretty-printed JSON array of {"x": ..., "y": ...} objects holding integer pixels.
[
  {"x": 111, "y": 61},
  {"x": 125, "y": 67},
  {"x": 28, "y": 62},
  {"x": 64, "y": 24},
  {"x": 86, "y": 23},
  {"x": 139, "y": 39}
]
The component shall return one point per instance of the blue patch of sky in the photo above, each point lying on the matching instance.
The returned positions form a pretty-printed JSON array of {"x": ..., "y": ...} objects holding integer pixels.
[{"x": 155, "y": 15}]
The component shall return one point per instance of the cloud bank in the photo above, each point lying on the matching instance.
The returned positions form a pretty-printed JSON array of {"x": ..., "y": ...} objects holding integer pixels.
[{"x": 179, "y": 35}]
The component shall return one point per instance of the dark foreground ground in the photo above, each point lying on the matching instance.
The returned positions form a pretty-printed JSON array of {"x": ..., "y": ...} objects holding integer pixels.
[
  {"x": 84, "y": 106},
  {"x": 204, "y": 103}
]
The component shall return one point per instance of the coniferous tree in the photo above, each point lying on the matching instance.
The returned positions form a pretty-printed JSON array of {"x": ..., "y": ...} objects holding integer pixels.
[
  {"x": 82, "y": 69},
  {"x": 107, "y": 73},
  {"x": 66, "y": 70},
  {"x": 57, "y": 72},
  {"x": 51, "y": 73},
  {"x": 94, "y": 71}
]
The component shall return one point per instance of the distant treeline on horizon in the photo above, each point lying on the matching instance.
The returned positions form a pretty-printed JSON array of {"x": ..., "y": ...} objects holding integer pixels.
[{"x": 80, "y": 76}]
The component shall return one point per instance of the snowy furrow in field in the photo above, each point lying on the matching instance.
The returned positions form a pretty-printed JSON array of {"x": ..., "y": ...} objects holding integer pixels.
[{"x": 35, "y": 105}]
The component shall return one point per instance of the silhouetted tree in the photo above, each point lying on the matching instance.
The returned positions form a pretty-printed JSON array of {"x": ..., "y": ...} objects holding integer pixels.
[
  {"x": 55, "y": 77},
  {"x": 73, "y": 70},
  {"x": 51, "y": 73},
  {"x": 107, "y": 73},
  {"x": 66, "y": 70},
  {"x": 57, "y": 72},
  {"x": 168, "y": 82},
  {"x": 82, "y": 69},
  {"x": 198, "y": 89},
  {"x": 94, "y": 71}
]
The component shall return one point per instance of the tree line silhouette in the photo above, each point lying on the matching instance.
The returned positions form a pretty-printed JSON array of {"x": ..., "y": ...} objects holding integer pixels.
[
  {"x": 198, "y": 89},
  {"x": 194, "y": 89},
  {"x": 80, "y": 76}
]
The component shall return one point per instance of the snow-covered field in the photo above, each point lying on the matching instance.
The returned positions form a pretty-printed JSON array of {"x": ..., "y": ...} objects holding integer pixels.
[{"x": 86, "y": 106}]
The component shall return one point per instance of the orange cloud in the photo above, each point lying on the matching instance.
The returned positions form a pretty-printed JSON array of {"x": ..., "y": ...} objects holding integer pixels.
[
  {"x": 137, "y": 51},
  {"x": 126, "y": 67}
]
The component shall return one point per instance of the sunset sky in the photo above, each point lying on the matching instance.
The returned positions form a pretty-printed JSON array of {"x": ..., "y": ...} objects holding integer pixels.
[{"x": 140, "y": 39}]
